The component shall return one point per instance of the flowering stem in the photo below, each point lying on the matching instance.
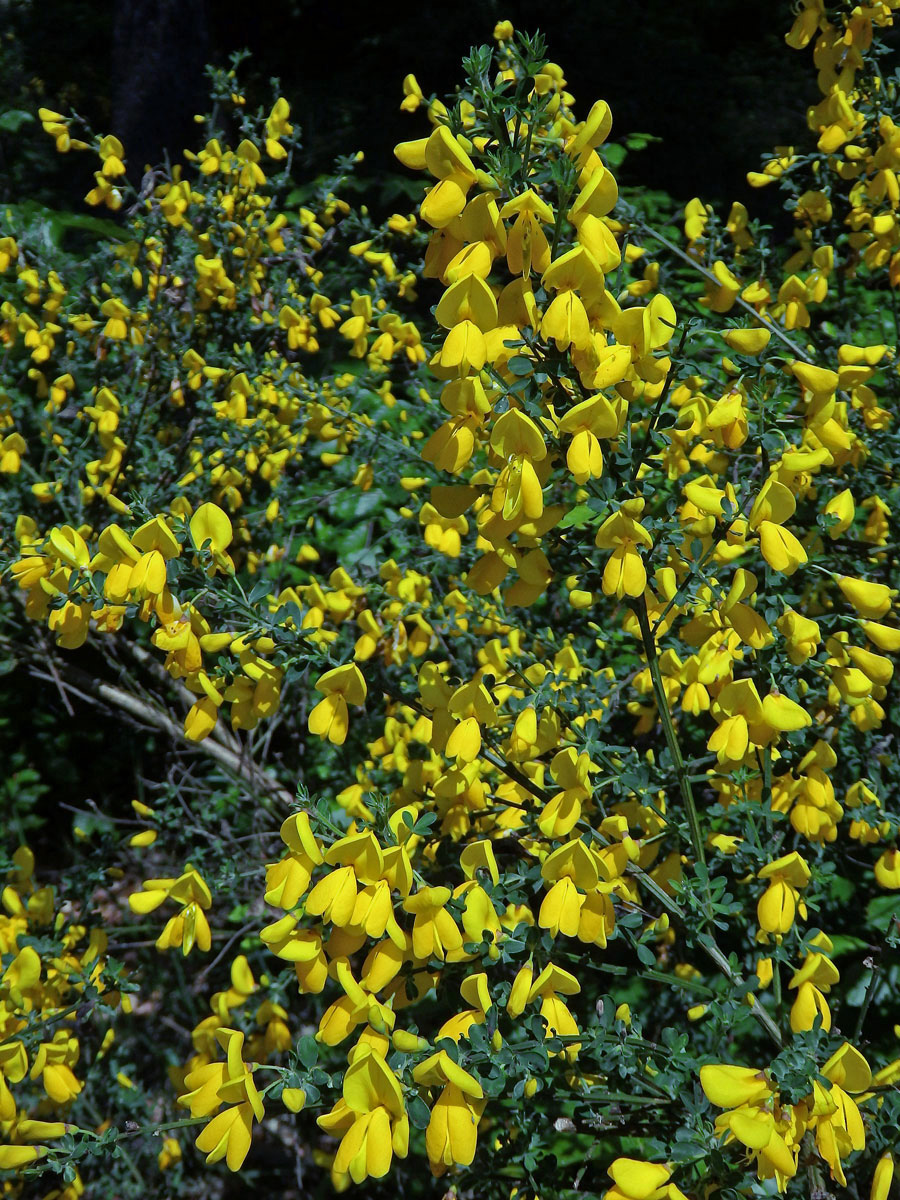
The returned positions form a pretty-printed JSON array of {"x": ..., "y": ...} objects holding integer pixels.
[
  {"x": 709, "y": 947},
  {"x": 164, "y": 1127},
  {"x": 126, "y": 1157},
  {"x": 563, "y": 198},
  {"x": 665, "y": 717},
  {"x": 648, "y": 436},
  {"x": 871, "y": 987},
  {"x": 767, "y": 775},
  {"x": 707, "y": 274},
  {"x": 676, "y": 599}
]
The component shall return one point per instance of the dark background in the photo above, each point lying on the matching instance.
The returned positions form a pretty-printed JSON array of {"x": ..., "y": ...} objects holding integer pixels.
[{"x": 712, "y": 78}]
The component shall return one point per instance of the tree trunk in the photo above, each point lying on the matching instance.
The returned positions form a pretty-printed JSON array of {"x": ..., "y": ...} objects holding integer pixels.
[{"x": 159, "y": 52}]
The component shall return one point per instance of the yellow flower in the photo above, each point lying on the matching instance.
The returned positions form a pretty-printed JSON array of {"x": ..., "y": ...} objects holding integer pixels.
[
  {"x": 883, "y": 1177},
  {"x": 747, "y": 1094},
  {"x": 553, "y": 983},
  {"x": 372, "y": 1117},
  {"x": 452, "y": 1134},
  {"x": 624, "y": 573},
  {"x": 747, "y": 341},
  {"x": 820, "y": 381},
  {"x": 22, "y": 976},
  {"x": 435, "y": 933},
  {"x": 774, "y": 505},
  {"x": 740, "y": 709},
  {"x": 837, "y": 1119},
  {"x": 287, "y": 880},
  {"x": 469, "y": 299},
  {"x": 342, "y": 686},
  {"x": 412, "y": 94},
  {"x": 527, "y": 243},
  {"x": 843, "y": 508},
  {"x": 589, "y": 421},
  {"x": 871, "y": 600},
  {"x": 53, "y": 1066},
  {"x": 227, "y": 1136},
  {"x": 887, "y": 869},
  {"x": 463, "y": 352},
  {"x": 278, "y": 126},
  {"x": 517, "y": 441},
  {"x": 211, "y": 1084},
  {"x": 12, "y": 447},
  {"x": 801, "y": 634},
  {"x": 520, "y": 991},
  {"x": 211, "y": 529},
  {"x": 189, "y": 927},
  {"x": 638, "y": 1180},
  {"x": 104, "y": 192},
  {"x": 696, "y": 218},
  {"x": 250, "y": 174},
  {"x": 111, "y": 154},
  {"x": 169, "y": 1154},
  {"x": 14, "y": 1157},
  {"x": 778, "y": 905}
]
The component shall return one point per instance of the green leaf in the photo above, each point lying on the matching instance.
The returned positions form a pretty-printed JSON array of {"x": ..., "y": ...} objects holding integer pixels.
[
  {"x": 52, "y": 226},
  {"x": 844, "y": 943},
  {"x": 13, "y": 119},
  {"x": 308, "y": 1051},
  {"x": 260, "y": 590},
  {"x": 646, "y": 955},
  {"x": 639, "y": 141},
  {"x": 419, "y": 1114},
  {"x": 581, "y": 514},
  {"x": 882, "y": 910}
]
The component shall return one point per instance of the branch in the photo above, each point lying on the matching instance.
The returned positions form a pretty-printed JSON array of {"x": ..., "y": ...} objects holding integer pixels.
[
  {"x": 78, "y": 683},
  {"x": 707, "y": 274}
]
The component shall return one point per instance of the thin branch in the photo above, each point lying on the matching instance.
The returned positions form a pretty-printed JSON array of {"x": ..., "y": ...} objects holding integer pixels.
[
  {"x": 84, "y": 687},
  {"x": 739, "y": 300}
]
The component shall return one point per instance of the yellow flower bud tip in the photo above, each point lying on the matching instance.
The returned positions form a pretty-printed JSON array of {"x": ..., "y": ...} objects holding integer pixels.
[
  {"x": 747, "y": 341},
  {"x": 883, "y": 1177},
  {"x": 733, "y": 1086},
  {"x": 293, "y": 1099},
  {"x": 638, "y": 1180},
  {"x": 145, "y": 838},
  {"x": 623, "y": 1013},
  {"x": 13, "y": 1157}
]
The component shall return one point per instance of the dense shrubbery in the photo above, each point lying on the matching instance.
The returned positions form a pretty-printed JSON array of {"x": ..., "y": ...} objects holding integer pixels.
[{"x": 507, "y": 593}]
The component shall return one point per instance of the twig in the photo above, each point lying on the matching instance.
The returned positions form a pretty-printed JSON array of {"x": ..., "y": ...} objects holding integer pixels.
[
  {"x": 82, "y": 685},
  {"x": 739, "y": 300},
  {"x": 665, "y": 717}
]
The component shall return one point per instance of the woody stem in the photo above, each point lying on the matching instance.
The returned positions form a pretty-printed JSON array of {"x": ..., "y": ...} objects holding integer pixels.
[{"x": 665, "y": 717}]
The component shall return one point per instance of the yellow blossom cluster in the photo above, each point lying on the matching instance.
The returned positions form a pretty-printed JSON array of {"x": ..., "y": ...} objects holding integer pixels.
[
  {"x": 43, "y": 997},
  {"x": 600, "y": 699}
]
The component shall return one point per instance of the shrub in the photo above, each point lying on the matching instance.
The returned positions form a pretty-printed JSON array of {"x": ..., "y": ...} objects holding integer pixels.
[{"x": 522, "y": 666}]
